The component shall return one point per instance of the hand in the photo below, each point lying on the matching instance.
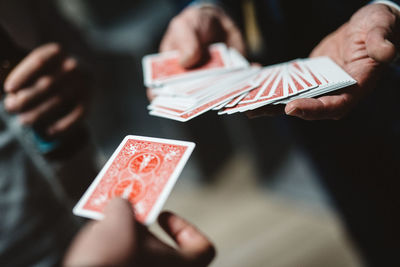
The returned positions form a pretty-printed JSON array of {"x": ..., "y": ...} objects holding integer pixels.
[
  {"x": 362, "y": 47},
  {"x": 47, "y": 88},
  {"x": 118, "y": 240},
  {"x": 195, "y": 28}
]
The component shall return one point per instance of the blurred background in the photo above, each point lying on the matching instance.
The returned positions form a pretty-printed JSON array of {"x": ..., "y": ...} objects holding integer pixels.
[{"x": 252, "y": 191}]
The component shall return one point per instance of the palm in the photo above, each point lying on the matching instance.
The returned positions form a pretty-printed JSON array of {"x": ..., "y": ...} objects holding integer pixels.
[{"x": 360, "y": 47}]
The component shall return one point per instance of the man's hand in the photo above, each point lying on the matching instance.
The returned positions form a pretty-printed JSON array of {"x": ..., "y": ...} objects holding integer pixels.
[
  {"x": 118, "y": 240},
  {"x": 361, "y": 47},
  {"x": 47, "y": 88},
  {"x": 195, "y": 28}
]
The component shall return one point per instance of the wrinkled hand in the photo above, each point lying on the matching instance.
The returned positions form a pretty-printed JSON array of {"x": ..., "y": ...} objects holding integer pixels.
[
  {"x": 362, "y": 47},
  {"x": 195, "y": 28},
  {"x": 47, "y": 88},
  {"x": 118, "y": 240}
]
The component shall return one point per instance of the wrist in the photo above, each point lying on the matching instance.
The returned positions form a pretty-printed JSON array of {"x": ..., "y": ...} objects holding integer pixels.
[{"x": 392, "y": 5}]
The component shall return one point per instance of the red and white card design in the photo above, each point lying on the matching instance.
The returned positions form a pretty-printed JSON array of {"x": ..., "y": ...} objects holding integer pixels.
[
  {"x": 229, "y": 84},
  {"x": 165, "y": 67},
  {"x": 142, "y": 170}
]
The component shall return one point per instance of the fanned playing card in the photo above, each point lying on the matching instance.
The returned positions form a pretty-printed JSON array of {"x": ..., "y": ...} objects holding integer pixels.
[
  {"x": 229, "y": 84},
  {"x": 165, "y": 67},
  {"x": 142, "y": 170}
]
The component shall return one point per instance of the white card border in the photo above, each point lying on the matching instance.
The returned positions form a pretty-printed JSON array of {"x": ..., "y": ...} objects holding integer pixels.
[{"x": 80, "y": 211}]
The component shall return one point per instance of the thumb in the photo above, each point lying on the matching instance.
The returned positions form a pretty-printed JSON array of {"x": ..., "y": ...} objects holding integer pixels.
[
  {"x": 192, "y": 52},
  {"x": 379, "y": 47},
  {"x": 234, "y": 37},
  {"x": 181, "y": 36},
  {"x": 193, "y": 244},
  {"x": 108, "y": 242}
]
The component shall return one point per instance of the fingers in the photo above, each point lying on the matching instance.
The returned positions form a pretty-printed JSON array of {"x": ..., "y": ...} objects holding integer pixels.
[
  {"x": 193, "y": 244},
  {"x": 35, "y": 62},
  {"x": 53, "y": 99},
  {"x": 150, "y": 94},
  {"x": 234, "y": 37},
  {"x": 182, "y": 36},
  {"x": 195, "y": 29},
  {"x": 332, "y": 107},
  {"x": 23, "y": 99},
  {"x": 40, "y": 111},
  {"x": 192, "y": 51},
  {"x": 382, "y": 34},
  {"x": 110, "y": 242},
  {"x": 378, "y": 46},
  {"x": 67, "y": 122}
]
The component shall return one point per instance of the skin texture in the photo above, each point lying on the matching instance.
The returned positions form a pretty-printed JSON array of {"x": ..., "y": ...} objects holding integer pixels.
[
  {"x": 195, "y": 28},
  {"x": 362, "y": 47},
  {"x": 48, "y": 88},
  {"x": 119, "y": 240}
]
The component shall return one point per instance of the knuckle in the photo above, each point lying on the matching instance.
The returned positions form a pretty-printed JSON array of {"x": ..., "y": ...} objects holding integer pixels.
[
  {"x": 379, "y": 16},
  {"x": 44, "y": 83}
]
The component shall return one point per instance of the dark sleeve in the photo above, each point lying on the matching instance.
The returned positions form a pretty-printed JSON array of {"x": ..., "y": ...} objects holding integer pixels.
[
  {"x": 396, "y": 2},
  {"x": 54, "y": 27}
]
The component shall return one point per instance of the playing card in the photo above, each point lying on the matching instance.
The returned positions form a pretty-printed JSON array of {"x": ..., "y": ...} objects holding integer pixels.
[
  {"x": 237, "y": 85},
  {"x": 222, "y": 104},
  {"x": 142, "y": 170},
  {"x": 206, "y": 106},
  {"x": 230, "y": 84},
  {"x": 237, "y": 60},
  {"x": 165, "y": 67},
  {"x": 299, "y": 68},
  {"x": 264, "y": 80}
]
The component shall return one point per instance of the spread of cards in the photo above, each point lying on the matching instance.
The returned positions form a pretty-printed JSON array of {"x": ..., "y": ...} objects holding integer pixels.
[
  {"x": 228, "y": 84},
  {"x": 144, "y": 170}
]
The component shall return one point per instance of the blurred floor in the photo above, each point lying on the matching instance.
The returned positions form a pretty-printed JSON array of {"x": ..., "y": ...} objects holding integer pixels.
[{"x": 256, "y": 226}]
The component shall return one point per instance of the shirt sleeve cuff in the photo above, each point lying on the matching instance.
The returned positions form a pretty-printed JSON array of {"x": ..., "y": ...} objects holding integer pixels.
[{"x": 392, "y": 4}]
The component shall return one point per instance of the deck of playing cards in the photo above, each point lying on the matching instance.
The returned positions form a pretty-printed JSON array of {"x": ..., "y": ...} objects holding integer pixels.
[
  {"x": 229, "y": 84},
  {"x": 142, "y": 170}
]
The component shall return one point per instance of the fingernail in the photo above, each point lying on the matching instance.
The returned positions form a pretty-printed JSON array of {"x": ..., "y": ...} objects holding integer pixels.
[{"x": 295, "y": 112}]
